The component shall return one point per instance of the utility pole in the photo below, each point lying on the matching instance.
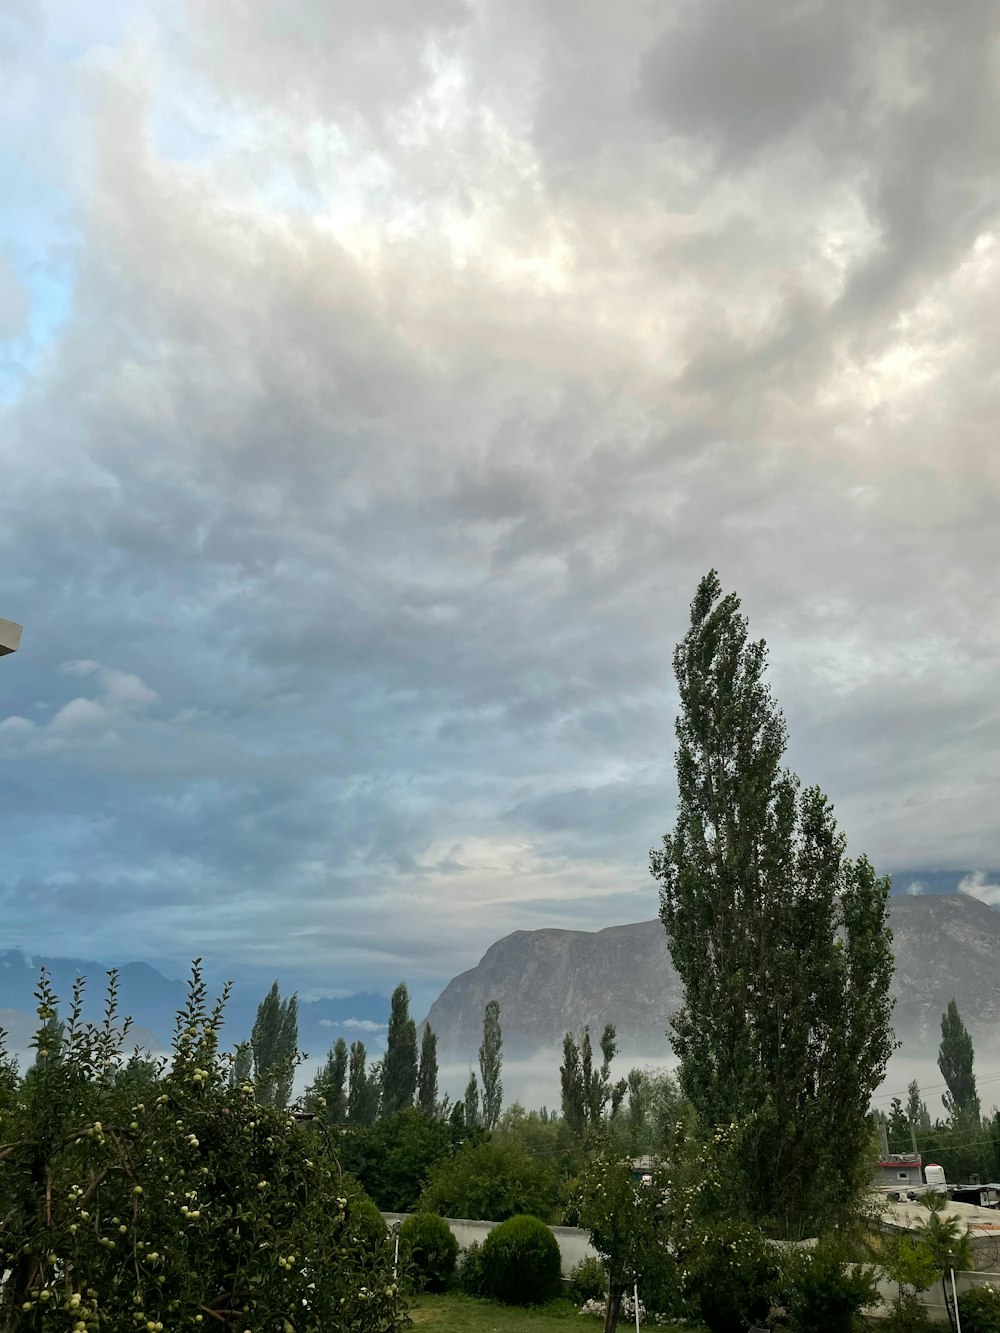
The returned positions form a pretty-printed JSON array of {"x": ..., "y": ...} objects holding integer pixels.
[{"x": 10, "y": 637}]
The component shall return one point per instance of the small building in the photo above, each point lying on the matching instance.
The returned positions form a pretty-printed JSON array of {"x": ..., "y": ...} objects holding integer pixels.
[{"x": 899, "y": 1171}]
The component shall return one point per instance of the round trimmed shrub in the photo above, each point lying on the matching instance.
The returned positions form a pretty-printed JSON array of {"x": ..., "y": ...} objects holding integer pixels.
[
  {"x": 588, "y": 1281},
  {"x": 521, "y": 1262},
  {"x": 429, "y": 1251}
]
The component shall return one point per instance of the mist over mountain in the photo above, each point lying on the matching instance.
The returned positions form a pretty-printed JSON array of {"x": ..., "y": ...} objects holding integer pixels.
[
  {"x": 152, "y": 1001},
  {"x": 551, "y": 981}
]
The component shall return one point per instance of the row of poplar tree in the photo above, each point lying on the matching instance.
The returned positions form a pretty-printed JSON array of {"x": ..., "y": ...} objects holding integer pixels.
[{"x": 348, "y": 1090}]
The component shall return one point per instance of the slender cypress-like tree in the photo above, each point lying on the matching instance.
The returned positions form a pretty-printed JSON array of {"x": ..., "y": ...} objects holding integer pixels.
[
  {"x": 782, "y": 943},
  {"x": 917, "y": 1113},
  {"x": 427, "y": 1079},
  {"x": 362, "y": 1087},
  {"x": 399, "y": 1064},
  {"x": 490, "y": 1064},
  {"x": 956, "y": 1060},
  {"x": 472, "y": 1101},
  {"x": 274, "y": 1043},
  {"x": 331, "y": 1084},
  {"x": 587, "y": 1092}
]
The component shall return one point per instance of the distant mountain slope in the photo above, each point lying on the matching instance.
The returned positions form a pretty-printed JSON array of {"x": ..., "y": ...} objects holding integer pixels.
[
  {"x": 152, "y": 1001},
  {"x": 549, "y": 981}
]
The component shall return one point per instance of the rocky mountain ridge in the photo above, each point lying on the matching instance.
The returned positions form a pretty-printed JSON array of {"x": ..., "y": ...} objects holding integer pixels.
[{"x": 550, "y": 981}]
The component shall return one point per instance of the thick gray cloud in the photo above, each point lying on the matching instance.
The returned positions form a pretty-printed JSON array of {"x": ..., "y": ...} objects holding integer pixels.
[{"x": 416, "y": 361}]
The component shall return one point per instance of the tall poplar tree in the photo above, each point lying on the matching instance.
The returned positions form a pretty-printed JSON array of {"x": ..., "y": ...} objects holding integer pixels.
[
  {"x": 917, "y": 1113},
  {"x": 362, "y": 1087},
  {"x": 781, "y": 942},
  {"x": 399, "y": 1064},
  {"x": 586, "y": 1091},
  {"x": 471, "y": 1101},
  {"x": 490, "y": 1063},
  {"x": 956, "y": 1061},
  {"x": 331, "y": 1084},
  {"x": 274, "y": 1043},
  {"x": 427, "y": 1078}
]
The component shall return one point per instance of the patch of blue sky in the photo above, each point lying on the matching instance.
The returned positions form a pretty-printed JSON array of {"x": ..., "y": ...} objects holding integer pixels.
[
  {"x": 49, "y": 283},
  {"x": 176, "y": 137},
  {"x": 77, "y": 29}
]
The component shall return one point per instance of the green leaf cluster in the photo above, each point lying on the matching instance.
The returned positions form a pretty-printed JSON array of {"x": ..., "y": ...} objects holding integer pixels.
[{"x": 165, "y": 1198}]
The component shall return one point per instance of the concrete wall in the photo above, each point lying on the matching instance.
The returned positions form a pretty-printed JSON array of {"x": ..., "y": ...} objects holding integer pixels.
[
  {"x": 574, "y": 1244},
  {"x": 934, "y": 1299}
]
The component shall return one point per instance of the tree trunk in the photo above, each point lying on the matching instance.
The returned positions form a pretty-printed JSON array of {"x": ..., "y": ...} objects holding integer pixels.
[{"x": 612, "y": 1307}]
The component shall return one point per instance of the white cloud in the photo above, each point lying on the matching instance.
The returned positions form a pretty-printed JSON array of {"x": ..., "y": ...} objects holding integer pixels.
[
  {"x": 126, "y": 691},
  {"x": 916, "y": 887},
  {"x": 79, "y": 715},
  {"x": 976, "y": 885},
  {"x": 363, "y": 1025},
  {"x": 83, "y": 667}
]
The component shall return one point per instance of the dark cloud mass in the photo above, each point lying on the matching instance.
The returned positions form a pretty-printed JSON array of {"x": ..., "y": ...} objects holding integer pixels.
[{"x": 377, "y": 380}]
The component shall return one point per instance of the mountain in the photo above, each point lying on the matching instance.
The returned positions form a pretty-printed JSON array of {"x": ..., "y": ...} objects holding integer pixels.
[
  {"x": 152, "y": 1000},
  {"x": 551, "y": 981}
]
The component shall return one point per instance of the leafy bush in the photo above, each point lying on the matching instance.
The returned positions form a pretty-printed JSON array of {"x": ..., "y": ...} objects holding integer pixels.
[
  {"x": 429, "y": 1251},
  {"x": 492, "y": 1181},
  {"x": 142, "y": 1197},
  {"x": 980, "y": 1310},
  {"x": 471, "y": 1277},
  {"x": 364, "y": 1221},
  {"x": 588, "y": 1280},
  {"x": 393, "y": 1158},
  {"x": 521, "y": 1262},
  {"x": 732, "y": 1277},
  {"x": 823, "y": 1294},
  {"x": 908, "y": 1314}
]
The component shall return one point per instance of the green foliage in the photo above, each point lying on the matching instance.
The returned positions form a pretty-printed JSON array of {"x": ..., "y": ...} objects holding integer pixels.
[
  {"x": 588, "y": 1281},
  {"x": 587, "y": 1093},
  {"x": 956, "y": 1060},
  {"x": 549, "y": 1141},
  {"x": 364, "y": 1221},
  {"x": 521, "y": 1262},
  {"x": 427, "y": 1077},
  {"x": 363, "y": 1087},
  {"x": 193, "y": 1206},
  {"x": 429, "y": 1251},
  {"x": 908, "y": 1314},
  {"x": 908, "y": 1261},
  {"x": 492, "y": 1180},
  {"x": 652, "y": 1110},
  {"x": 731, "y": 1277},
  {"x": 782, "y": 944},
  {"x": 490, "y": 1060},
  {"x": 274, "y": 1044},
  {"x": 471, "y": 1101},
  {"x": 393, "y": 1158},
  {"x": 917, "y": 1114},
  {"x": 823, "y": 1293},
  {"x": 471, "y": 1277},
  {"x": 944, "y": 1238},
  {"x": 327, "y": 1097},
  {"x": 399, "y": 1065},
  {"x": 979, "y": 1310}
]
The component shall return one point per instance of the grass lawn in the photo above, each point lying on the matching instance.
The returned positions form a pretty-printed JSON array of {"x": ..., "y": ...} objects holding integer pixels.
[{"x": 463, "y": 1314}]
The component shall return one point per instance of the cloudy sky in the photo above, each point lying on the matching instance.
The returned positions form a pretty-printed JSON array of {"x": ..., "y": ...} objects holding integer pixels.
[{"x": 378, "y": 377}]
